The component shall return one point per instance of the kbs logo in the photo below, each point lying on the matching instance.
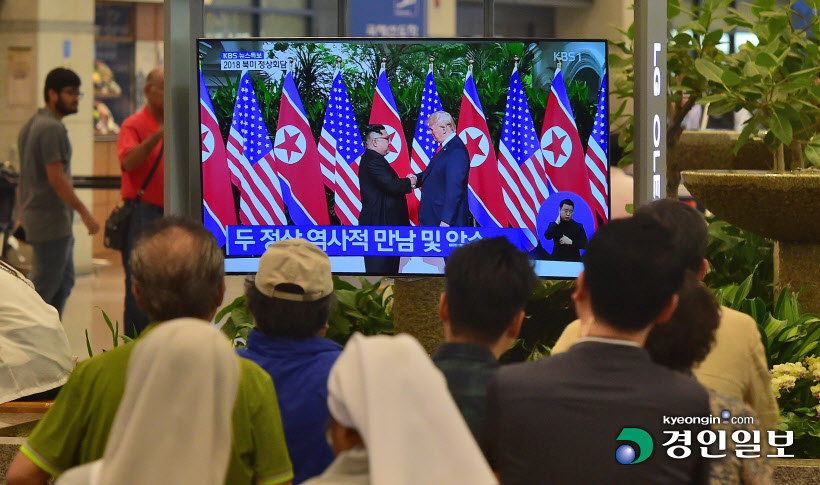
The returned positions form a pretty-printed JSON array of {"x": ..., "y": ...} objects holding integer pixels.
[
  {"x": 566, "y": 56},
  {"x": 625, "y": 454}
]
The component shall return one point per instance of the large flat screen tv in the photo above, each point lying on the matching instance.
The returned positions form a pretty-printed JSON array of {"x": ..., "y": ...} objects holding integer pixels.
[{"x": 283, "y": 124}]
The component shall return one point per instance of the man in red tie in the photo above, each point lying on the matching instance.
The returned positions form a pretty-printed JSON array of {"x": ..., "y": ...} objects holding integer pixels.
[{"x": 443, "y": 183}]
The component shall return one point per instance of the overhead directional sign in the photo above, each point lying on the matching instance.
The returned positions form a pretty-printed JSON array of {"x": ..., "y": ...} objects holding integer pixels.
[{"x": 387, "y": 18}]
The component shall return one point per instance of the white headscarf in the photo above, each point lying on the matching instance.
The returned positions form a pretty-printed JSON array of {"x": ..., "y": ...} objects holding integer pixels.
[
  {"x": 174, "y": 421},
  {"x": 388, "y": 389}
]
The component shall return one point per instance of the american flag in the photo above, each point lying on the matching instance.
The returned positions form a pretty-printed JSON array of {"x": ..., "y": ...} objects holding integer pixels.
[
  {"x": 520, "y": 162},
  {"x": 424, "y": 145},
  {"x": 250, "y": 159},
  {"x": 340, "y": 146},
  {"x": 596, "y": 159}
]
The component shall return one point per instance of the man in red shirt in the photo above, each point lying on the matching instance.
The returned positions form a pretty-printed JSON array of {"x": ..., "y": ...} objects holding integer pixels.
[{"x": 139, "y": 147}]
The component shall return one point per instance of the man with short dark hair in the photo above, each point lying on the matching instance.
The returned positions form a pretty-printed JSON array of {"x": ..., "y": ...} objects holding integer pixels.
[
  {"x": 384, "y": 199},
  {"x": 488, "y": 284},
  {"x": 568, "y": 236},
  {"x": 46, "y": 193},
  {"x": 579, "y": 402},
  {"x": 291, "y": 298},
  {"x": 178, "y": 271},
  {"x": 736, "y": 365}
]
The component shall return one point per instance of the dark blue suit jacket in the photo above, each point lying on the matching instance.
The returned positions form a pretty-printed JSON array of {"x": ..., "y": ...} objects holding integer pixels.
[{"x": 444, "y": 186}]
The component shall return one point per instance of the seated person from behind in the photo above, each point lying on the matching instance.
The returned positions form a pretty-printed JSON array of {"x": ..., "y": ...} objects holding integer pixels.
[
  {"x": 736, "y": 365},
  {"x": 488, "y": 284},
  {"x": 578, "y": 402},
  {"x": 167, "y": 430},
  {"x": 35, "y": 358},
  {"x": 291, "y": 298},
  {"x": 178, "y": 271},
  {"x": 682, "y": 343},
  {"x": 394, "y": 422},
  {"x": 568, "y": 236}
]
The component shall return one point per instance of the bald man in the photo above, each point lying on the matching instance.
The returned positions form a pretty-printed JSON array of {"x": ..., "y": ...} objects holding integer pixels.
[{"x": 139, "y": 147}]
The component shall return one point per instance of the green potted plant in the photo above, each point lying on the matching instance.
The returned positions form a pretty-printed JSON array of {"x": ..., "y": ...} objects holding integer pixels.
[{"x": 776, "y": 81}]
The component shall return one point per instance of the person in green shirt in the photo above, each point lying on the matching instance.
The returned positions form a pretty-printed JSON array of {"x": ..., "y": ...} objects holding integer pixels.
[{"x": 178, "y": 271}]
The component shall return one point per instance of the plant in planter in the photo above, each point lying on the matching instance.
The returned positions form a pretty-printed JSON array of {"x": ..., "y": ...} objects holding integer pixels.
[
  {"x": 367, "y": 309},
  {"x": 775, "y": 80}
]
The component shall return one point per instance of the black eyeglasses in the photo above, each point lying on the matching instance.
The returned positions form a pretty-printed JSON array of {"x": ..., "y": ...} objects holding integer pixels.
[{"x": 73, "y": 92}]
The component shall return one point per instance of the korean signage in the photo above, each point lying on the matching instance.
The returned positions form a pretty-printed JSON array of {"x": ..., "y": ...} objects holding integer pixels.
[
  {"x": 650, "y": 101},
  {"x": 387, "y": 18}
]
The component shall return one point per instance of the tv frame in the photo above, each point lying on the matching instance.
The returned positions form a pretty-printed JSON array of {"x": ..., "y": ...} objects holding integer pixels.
[{"x": 569, "y": 274}]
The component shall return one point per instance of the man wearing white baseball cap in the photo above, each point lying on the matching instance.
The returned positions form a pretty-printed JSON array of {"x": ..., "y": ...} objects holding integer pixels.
[{"x": 291, "y": 298}]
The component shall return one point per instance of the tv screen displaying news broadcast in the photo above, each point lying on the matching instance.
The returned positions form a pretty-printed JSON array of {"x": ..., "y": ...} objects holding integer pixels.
[{"x": 389, "y": 154}]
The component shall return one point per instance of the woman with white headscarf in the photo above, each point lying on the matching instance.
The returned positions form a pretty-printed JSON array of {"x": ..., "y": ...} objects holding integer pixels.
[
  {"x": 174, "y": 421},
  {"x": 394, "y": 421}
]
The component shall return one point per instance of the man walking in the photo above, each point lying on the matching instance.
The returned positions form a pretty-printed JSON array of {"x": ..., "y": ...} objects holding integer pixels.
[{"x": 47, "y": 196}]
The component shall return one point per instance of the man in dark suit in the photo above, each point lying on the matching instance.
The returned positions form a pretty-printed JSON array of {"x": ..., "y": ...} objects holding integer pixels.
[
  {"x": 580, "y": 402},
  {"x": 569, "y": 236},
  {"x": 383, "y": 195},
  {"x": 444, "y": 182}
]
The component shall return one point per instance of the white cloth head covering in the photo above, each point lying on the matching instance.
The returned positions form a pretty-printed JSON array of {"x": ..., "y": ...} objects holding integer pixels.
[
  {"x": 388, "y": 389},
  {"x": 34, "y": 351},
  {"x": 174, "y": 421}
]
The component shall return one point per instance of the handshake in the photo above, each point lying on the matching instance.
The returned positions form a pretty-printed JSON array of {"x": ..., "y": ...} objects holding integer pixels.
[{"x": 413, "y": 180}]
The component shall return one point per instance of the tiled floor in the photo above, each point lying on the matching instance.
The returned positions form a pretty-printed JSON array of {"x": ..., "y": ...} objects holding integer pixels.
[{"x": 103, "y": 290}]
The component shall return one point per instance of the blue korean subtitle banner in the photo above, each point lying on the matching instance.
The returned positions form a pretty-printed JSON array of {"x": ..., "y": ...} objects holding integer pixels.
[{"x": 367, "y": 240}]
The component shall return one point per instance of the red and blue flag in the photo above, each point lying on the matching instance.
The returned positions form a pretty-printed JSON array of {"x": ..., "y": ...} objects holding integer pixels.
[
  {"x": 297, "y": 161},
  {"x": 484, "y": 193},
  {"x": 563, "y": 153},
  {"x": 384, "y": 112},
  {"x": 218, "y": 208}
]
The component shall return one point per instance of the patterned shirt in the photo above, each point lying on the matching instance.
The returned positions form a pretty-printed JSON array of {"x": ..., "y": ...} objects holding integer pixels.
[{"x": 468, "y": 369}]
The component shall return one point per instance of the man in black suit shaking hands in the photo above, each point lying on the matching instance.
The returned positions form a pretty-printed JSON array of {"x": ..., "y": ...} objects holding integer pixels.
[
  {"x": 383, "y": 195},
  {"x": 444, "y": 182}
]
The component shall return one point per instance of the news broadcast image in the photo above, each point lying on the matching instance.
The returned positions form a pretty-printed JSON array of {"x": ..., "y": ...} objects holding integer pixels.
[{"x": 282, "y": 138}]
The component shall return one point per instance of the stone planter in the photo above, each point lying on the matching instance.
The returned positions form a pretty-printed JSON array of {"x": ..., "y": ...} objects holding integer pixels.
[
  {"x": 782, "y": 206},
  {"x": 712, "y": 150}
]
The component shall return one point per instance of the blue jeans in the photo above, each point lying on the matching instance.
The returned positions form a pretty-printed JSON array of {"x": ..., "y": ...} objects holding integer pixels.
[
  {"x": 52, "y": 270},
  {"x": 133, "y": 318}
]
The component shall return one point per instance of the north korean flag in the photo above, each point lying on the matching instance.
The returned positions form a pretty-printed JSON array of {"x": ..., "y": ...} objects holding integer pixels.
[
  {"x": 297, "y": 161},
  {"x": 386, "y": 113},
  {"x": 561, "y": 145},
  {"x": 218, "y": 206},
  {"x": 484, "y": 188}
]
